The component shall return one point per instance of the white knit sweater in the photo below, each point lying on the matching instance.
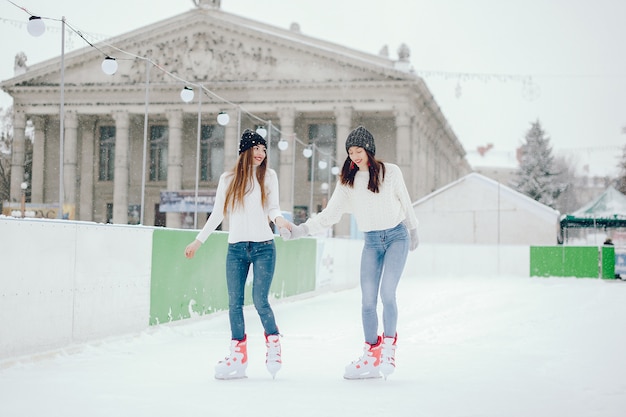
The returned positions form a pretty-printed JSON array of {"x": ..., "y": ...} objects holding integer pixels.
[
  {"x": 372, "y": 211},
  {"x": 250, "y": 222}
]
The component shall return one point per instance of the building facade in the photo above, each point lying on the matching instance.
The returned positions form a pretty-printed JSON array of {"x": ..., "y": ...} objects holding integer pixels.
[{"x": 128, "y": 139}]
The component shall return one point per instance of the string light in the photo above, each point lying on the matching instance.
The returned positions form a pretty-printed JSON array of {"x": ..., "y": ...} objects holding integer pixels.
[
  {"x": 109, "y": 65},
  {"x": 35, "y": 26},
  {"x": 187, "y": 94},
  {"x": 223, "y": 118},
  {"x": 262, "y": 131}
]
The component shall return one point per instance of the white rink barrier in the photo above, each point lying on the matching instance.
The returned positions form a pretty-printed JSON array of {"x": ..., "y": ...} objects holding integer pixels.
[{"x": 70, "y": 282}]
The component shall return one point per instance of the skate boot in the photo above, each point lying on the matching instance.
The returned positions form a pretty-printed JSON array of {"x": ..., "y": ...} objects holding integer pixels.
[
  {"x": 234, "y": 365},
  {"x": 388, "y": 355},
  {"x": 367, "y": 366},
  {"x": 273, "y": 360}
]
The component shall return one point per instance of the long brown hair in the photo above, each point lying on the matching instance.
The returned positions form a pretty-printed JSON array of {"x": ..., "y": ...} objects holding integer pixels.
[
  {"x": 376, "y": 168},
  {"x": 242, "y": 180}
]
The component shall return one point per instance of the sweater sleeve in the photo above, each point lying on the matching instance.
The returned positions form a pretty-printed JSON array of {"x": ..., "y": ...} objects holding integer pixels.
[
  {"x": 402, "y": 193},
  {"x": 217, "y": 215},
  {"x": 338, "y": 204},
  {"x": 273, "y": 196}
]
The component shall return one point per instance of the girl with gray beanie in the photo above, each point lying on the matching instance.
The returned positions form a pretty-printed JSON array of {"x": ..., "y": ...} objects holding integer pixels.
[{"x": 375, "y": 193}]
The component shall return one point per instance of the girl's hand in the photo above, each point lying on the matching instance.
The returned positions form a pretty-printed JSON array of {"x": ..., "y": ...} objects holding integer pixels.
[
  {"x": 282, "y": 223},
  {"x": 191, "y": 249}
]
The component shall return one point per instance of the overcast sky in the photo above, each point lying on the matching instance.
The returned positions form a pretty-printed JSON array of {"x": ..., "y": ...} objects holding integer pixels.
[{"x": 493, "y": 66}]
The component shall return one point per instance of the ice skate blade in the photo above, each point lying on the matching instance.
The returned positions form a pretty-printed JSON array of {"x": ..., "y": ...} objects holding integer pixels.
[
  {"x": 364, "y": 376},
  {"x": 224, "y": 377},
  {"x": 273, "y": 370},
  {"x": 228, "y": 377}
]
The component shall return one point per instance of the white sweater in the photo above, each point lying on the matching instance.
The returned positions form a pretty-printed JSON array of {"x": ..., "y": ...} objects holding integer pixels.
[
  {"x": 372, "y": 211},
  {"x": 250, "y": 222}
]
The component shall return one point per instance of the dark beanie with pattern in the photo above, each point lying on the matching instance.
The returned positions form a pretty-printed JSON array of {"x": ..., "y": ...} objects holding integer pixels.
[
  {"x": 363, "y": 138},
  {"x": 250, "y": 139}
]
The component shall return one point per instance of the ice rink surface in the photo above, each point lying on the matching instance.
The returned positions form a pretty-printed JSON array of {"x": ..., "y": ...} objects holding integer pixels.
[{"x": 467, "y": 346}]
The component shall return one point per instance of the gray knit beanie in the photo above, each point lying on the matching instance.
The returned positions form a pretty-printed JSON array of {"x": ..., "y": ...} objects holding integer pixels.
[{"x": 363, "y": 138}]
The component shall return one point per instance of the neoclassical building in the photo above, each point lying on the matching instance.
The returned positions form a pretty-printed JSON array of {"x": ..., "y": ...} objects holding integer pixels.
[{"x": 130, "y": 144}]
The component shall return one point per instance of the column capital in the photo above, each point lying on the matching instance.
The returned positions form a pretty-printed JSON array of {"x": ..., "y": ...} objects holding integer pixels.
[
  {"x": 343, "y": 116},
  {"x": 174, "y": 117},
  {"x": 403, "y": 117},
  {"x": 71, "y": 119},
  {"x": 19, "y": 119},
  {"x": 122, "y": 118}
]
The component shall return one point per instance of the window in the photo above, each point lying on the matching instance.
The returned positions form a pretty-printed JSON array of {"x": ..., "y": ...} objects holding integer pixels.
[
  {"x": 323, "y": 137},
  {"x": 107, "y": 153},
  {"x": 211, "y": 152},
  {"x": 159, "y": 136}
]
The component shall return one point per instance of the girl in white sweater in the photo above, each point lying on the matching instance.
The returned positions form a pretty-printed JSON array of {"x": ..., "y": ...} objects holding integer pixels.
[
  {"x": 375, "y": 193},
  {"x": 249, "y": 196}
]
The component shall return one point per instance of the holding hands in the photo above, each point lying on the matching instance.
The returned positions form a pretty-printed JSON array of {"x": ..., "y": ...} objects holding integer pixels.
[{"x": 292, "y": 232}]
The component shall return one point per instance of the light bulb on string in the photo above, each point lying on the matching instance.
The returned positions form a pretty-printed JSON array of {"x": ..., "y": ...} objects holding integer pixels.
[
  {"x": 35, "y": 26},
  {"x": 223, "y": 118},
  {"x": 322, "y": 164},
  {"x": 109, "y": 65},
  {"x": 334, "y": 170},
  {"x": 261, "y": 131},
  {"x": 307, "y": 152},
  {"x": 186, "y": 94},
  {"x": 283, "y": 145}
]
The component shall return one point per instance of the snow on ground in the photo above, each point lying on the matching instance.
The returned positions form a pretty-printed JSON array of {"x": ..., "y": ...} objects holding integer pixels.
[{"x": 468, "y": 346}]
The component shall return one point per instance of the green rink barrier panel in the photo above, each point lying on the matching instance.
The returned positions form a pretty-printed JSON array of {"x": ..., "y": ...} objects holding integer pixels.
[
  {"x": 572, "y": 261},
  {"x": 182, "y": 288}
]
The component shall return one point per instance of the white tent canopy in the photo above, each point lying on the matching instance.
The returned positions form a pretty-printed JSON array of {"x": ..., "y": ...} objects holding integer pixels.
[{"x": 477, "y": 209}]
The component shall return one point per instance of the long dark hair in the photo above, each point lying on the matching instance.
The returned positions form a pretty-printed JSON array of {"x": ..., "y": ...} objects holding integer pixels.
[
  {"x": 242, "y": 181},
  {"x": 376, "y": 168}
]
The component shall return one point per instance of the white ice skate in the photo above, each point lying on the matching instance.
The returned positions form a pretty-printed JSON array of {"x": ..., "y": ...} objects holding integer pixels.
[
  {"x": 234, "y": 365},
  {"x": 273, "y": 359},
  {"x": 388, "y": 356},
  {"x": 367, "y": 366}
]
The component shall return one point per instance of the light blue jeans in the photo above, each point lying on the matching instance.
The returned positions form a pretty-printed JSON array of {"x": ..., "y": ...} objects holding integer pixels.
[
  {"x": 262, "y": 257},
  {"x": 382, "y": 262}
]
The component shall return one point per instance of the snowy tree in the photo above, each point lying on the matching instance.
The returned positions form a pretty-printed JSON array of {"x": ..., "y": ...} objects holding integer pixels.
[
  {"x": 6, "y": 128},
  {"x": 621, "y": 179},
  {"x": 538, "y": 175},
  {"x": 568, "y": 199}
]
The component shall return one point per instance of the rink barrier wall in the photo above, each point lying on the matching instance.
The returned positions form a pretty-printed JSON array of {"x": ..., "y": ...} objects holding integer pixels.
[
  {"x": 70, "y": 282},
  {"x": 182, "y": 288},
  {"x": 573, "y": 261}
]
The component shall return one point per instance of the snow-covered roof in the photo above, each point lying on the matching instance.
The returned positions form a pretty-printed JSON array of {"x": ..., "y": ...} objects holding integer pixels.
[
  {"x": 493, "y": 159},
  {"x": 610, "y": 204}
]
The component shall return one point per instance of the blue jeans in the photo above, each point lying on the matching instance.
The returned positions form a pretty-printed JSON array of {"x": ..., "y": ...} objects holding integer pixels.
[
  {"x": 382, "y": 262},
  {"x": 262, "y": 256}
]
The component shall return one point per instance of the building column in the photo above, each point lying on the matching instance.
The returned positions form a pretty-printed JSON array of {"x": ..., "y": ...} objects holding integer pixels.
[
  {"x": 343, "y": 121},
  {"x": 70, "y": 154},
  {"x": 18, "y": 155},
  {"x": 120, "y": 182},
  {"x": 39, "y": 157},
  {"x": 231, "y": 140},
  {"x": 286, "y": 179},
  {"x": 403, "y": 145},
  {"x": 87, "y": 169},
  {"x": 174, "y": 161}
]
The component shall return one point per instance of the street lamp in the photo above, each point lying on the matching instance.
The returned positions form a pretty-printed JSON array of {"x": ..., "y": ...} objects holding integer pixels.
[
  {"x": 36, "y": 27},
  {"x": 24, "y": 186}
]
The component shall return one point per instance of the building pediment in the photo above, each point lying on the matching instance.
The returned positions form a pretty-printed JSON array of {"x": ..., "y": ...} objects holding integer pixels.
[{"x": 209, "y": 45}]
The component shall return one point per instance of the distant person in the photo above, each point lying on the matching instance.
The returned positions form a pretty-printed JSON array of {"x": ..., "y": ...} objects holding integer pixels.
[
  {"x": 248, "y": 195},
  {"x": 376, "y": 194},
  {"x": 608, "y": 241}
]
